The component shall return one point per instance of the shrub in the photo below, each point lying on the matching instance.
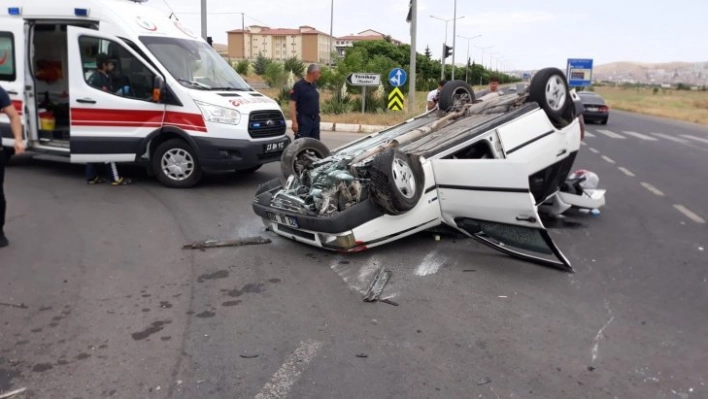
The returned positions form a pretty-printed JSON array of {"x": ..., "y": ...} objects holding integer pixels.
[
  {"x": 275, "y": 76},
  {"x": 261, "y": 65},
  {"x": 295, "y": 66},
  {"x": 242, "y": 67}
]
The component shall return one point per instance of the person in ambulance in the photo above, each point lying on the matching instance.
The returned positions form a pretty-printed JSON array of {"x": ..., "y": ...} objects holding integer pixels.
[{"x": 101, "y": 79}]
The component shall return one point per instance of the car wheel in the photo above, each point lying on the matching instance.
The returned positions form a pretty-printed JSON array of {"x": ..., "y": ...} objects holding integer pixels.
[
  {"x": 604, "y": 121},
  {"x": 176, "y": 165},
  {"x": 550, "y": 90},
  {"x": 300, "y": 155},
  {"x": 397, "y": 182},
  {"x": 454, "y": 95}
]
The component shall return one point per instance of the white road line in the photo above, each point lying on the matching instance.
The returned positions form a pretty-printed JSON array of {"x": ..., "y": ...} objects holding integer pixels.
[
  {"x": 611, "y": 134},
  {"x": 653, "y": 189},
  {"x": 640, "y": 136},
  {"x": 289, "y": 372},
  {"x": 670, "y": 138},
  {"x": 583, "y": 143},
  {"x": 689, "y": 214},
  {"x": 688, "y": 136},
  {"x": 588, "y": 134},
  {"x": 626, "y": 171},
  {"x": 594, "y": 150},
  {"x": 608, "y": 159}
]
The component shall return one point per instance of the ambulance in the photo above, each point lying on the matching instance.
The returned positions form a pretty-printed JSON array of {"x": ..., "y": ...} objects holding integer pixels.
[{"x": 173, "y": 104}]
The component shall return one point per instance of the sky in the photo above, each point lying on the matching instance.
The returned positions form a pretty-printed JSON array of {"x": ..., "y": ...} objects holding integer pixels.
[{"x": 526, "y": 35}]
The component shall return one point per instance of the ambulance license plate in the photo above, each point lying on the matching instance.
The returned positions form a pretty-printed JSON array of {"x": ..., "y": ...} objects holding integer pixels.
[{"x": 273, "y": 147}]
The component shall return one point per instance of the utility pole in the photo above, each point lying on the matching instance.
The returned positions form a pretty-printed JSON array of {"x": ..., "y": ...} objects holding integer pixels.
[
  {"x": 414, "y": 54},
  {"x": 468, "y": 53},
  {"x": 331, "y": 31},
  {"x": 243, "y": 32},
  {"x": 442, "y": 57},
  {"x": 204, "y": 19},
  {"x": 454, "y": 36}
]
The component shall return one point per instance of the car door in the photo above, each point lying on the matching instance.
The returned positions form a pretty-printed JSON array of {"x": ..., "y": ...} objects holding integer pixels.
[
  {"x": 107, "y": 126},
  {"x": 490, "y": 200},
  {"x": 12, "y": 55}
]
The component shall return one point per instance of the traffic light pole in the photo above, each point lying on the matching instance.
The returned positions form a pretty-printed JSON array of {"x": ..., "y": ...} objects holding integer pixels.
[
  {"x": 414, "y": 54},
  {"x": 442, "y": 70}
]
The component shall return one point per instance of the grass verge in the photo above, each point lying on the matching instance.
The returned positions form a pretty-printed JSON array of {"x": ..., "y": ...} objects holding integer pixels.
[{"x": 689, "y": 106}]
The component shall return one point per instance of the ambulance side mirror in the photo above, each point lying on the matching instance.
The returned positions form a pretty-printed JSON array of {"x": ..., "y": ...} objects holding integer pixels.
[{"x": 158, "y": 89}]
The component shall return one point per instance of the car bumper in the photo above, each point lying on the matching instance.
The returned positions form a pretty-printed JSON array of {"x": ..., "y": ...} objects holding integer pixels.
[
  {"x": 228, "y": 154},
  {"x": 595, "y": 116}
]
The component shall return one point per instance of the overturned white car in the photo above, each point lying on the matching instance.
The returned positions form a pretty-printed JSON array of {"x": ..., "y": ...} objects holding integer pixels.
[{"x": 479, "y": 166}]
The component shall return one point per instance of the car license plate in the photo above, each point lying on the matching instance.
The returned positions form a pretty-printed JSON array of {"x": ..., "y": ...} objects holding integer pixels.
[
  {"x": 274, "y": 147},
  {"x": 593, "y": 109},
  {"x": 284, "y": 220}
]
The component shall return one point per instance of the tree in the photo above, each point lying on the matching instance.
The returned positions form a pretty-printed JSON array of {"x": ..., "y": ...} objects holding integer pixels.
[
  {"x": 261, "y": 65},
  {"x": 295, "y": 66},
  {"x": 275, "y": 76},
  {"x": 428, "y": 53},
  {"x": 242, "y": 67}
]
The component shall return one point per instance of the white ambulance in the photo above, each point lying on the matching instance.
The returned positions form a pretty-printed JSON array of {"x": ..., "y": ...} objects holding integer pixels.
[{"x": 174, "y": 104}]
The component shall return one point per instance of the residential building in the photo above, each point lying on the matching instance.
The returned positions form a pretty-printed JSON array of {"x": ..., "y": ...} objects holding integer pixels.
[
  {"x": 305, "y": 43},
  {"x": 342, "y": 43}
]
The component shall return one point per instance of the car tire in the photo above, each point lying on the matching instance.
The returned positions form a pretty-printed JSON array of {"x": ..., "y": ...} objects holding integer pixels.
[
  {"x": 176, "y": 164},
  {"x": 604, "y": 121},
  {"x": 549, "y": 88},
  {"x": 454, "y": 94},
  {"x": 397, "y": 182},
  {"x": 292, "y": 162}
]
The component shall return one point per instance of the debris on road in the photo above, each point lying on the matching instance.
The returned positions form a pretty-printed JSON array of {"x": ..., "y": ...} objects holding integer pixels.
[
  {"x": 12, "y": 393},
  {"x": 249, "y": 356},
  {"x": 484, "y": 381},
  {"x": 390, "y": 302},
  {"x": 362, "y": 355},
  {"x": 202, "y": 245},
  {"x": 377, "y": 285},
  {"x": 469, "y": 270},
  {"x": 12, "y": 305}
]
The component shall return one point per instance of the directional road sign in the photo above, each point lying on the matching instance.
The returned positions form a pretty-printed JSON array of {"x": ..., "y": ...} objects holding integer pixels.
[
  {"x": 395, "y": 100},
  {"x": 579, "y": 72},
  {"x": 364, "y": 79},
  {"x": 397, "y": 77}
]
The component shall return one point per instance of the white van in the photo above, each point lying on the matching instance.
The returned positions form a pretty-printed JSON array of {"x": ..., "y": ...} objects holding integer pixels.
[{"x": 183, "y": 109}]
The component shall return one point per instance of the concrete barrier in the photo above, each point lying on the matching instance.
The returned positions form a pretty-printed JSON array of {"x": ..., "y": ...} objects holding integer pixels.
[
  {"x": 347, "y": 127},
  {"x": 327, "y": 126}
]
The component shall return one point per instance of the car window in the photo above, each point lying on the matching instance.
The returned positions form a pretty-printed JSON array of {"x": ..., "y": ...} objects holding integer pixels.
[
  {"x": 130, "y": 77},
  {"x": 592, "y": 98},
  {"x": 7, "y": 57}
]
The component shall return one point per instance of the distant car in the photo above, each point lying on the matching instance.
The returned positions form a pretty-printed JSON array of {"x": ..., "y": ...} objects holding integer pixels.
[{"x": 596, "y": 109}]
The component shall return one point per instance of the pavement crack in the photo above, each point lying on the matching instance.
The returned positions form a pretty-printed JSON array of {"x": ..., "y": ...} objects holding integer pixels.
[{"x": 596, "y": 346}]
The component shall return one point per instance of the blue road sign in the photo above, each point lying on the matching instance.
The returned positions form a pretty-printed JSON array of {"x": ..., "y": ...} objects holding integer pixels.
[
  {"x": 397, "y": 77},
  {"x": 579, "y": 72}
]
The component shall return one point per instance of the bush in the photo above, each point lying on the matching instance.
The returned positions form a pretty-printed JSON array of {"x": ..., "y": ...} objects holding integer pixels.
[
  {"x": 242, "y": 67},
  {"x": 284, "y": 96},
  {"x": 275, "y": 76},
  {"x": 338, "y": 105},
  {"x": 295, "y": 66},
  {"x": 261, "y": 65}
]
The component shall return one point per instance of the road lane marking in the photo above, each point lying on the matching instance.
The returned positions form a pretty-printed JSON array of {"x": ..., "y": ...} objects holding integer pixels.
[
  {"x": 653, "y": 189},
  {"x": 594, "y": 150},
  {"x": 670, "y": 138},
  {"x": 626, "y": 171},
  {"x": 688, "y": 136},
  {"x": 582, "y": 143},
  {"x": 289, "y": 372},
  {"x": 640, "y": 136},
  {"x": 608, "y": 159},
  {"x": 588, "y": 134},
  {"x": 689, "y": 214},
  {"x": 611, "y": 134}
]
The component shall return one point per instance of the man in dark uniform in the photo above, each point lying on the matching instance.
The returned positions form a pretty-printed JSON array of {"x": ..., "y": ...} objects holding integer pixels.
[
  {"x": 7, "y": 108},
  {"x": 305, "y": 105},
  {"x": 101, "y": 79}
]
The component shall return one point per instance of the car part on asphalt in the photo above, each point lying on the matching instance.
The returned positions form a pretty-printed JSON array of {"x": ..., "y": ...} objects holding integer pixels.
[
  {"x": 377, "y": 285},
  {"x": 202, "y": 245}
]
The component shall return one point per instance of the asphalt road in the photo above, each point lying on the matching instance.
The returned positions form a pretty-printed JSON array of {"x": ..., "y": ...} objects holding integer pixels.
[{"x": 99, "y": 300}]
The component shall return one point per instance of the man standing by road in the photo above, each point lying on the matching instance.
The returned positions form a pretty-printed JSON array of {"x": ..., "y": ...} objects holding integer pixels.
[
  {"x": 434, "y": 96},
  {"x": 305, "y": 105},
  {"x": 7, "y": 108}
]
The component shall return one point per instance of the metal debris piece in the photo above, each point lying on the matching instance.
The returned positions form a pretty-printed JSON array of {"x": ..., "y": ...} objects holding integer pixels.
[
  {"x": 12, "y": 393},
  {"x": 202, "y": 245},
  {"x": 362, "y": 355},
  {"x": 377, "y": 285},
  {"x": 249, "y": 356},
  {"x": 390, "y": 302},
  {"x": 12, "y": 305},
  {"x": 484, "y": 381},
  {"x": 469, "y": 270}
]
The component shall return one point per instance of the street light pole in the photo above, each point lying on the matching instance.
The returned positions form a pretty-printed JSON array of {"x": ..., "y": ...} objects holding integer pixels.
[
  {"x": 204, "y": 19},
  {"x": 482, "y": 61},
  {"x": 467, "y": 69},
  {"x": 442, "y": 57},
  {"x": 454, "y": 33},
  {"x": 331, "y": 31}
]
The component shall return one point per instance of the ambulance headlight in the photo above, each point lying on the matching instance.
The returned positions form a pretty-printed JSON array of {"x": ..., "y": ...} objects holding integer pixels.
[{"x": 215, "y": 113}]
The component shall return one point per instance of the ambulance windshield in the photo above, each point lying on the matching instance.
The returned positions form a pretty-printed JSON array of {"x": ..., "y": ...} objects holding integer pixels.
[{"x": 195, "y": 64}]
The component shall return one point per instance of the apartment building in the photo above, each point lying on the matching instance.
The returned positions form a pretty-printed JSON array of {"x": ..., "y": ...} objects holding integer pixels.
[
  {"x": 342, "y": 43},
  {"x": 305, "y": 43}
]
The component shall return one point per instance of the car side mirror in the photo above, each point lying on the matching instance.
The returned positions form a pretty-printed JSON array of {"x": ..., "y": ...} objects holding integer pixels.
[{"x": 158, "y": 89}]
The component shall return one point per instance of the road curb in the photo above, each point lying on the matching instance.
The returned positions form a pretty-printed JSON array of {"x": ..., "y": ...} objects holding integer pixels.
[{"x": 345, "y": 127}]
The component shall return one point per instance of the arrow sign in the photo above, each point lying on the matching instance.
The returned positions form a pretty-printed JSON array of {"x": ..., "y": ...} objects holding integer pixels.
[
  {"x": 364, "y": 79},
  {"x": 395, "y": 100},
  {"x": 397, "y": 77}
]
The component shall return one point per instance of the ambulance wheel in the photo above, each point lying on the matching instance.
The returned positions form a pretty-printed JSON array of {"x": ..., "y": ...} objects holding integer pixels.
[
  {"x": 397, "y": 182},
  {"x": 176, "y": 165}
]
